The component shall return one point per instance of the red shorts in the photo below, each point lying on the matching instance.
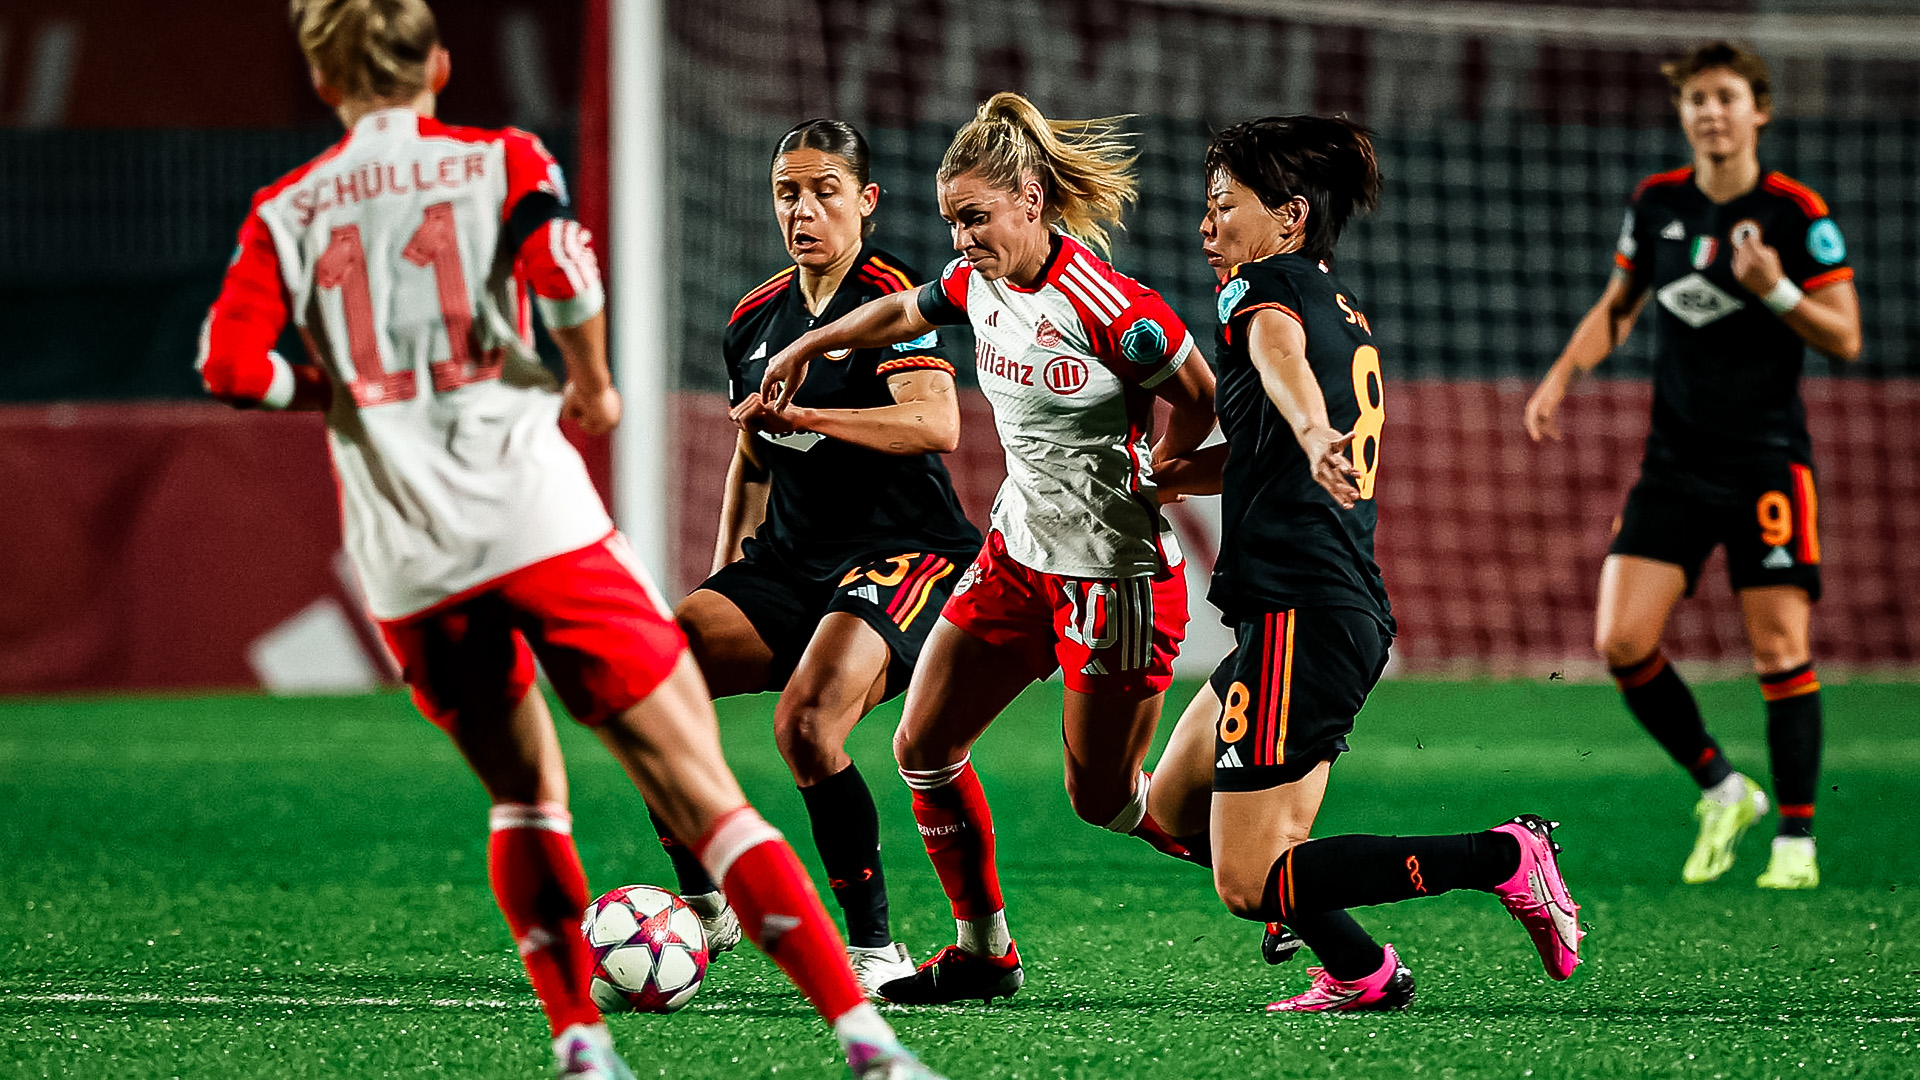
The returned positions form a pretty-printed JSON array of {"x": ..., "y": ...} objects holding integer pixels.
[
  {"x": 1108, "y": 635},
  {"x": 590, "y": 615}
]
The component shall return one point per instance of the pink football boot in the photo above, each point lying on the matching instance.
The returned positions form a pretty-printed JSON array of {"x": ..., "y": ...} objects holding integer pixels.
[
  {"x": 1537, "y": 895},
  {"x": 1387, "y": 989}
]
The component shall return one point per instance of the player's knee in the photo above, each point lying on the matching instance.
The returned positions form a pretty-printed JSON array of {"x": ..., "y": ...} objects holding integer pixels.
[
  {"x": 1774, "y": 654},
  {"x": 1621, "y": 649},
  {"x": 808, "y": 733},
  {"x": 1095, "y": 801},
  {"x": 1241, "y": 890}
]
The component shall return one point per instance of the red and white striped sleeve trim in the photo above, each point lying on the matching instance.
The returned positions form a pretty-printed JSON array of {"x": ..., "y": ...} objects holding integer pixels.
[
  {"x": 1130, "y": 327},
  {"x": 557, "y": 262}
]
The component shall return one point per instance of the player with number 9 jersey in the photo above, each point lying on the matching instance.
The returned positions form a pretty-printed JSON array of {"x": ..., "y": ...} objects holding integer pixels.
[{"x": 1740, "y": 271}]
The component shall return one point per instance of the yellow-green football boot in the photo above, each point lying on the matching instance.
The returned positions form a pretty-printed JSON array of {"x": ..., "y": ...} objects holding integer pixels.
[
  {"x": 1721, "y": 826},
  {"x": 1792, "y": 866}
]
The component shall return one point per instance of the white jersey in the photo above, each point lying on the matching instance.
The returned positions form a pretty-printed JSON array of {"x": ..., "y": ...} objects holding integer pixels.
[
  {"x": 1069, "y": 368},
  {"x": 398, "y": 253}
]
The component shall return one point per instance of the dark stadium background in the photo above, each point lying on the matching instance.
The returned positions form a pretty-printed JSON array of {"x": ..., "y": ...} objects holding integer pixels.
[{"x": 153, "y": 539}]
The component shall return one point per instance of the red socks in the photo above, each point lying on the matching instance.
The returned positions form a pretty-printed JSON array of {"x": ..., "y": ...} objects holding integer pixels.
[
  {"x": 541, "y": 889},
  {"x": 957, "y": 828},
  {"x": 779, "y": 910}
]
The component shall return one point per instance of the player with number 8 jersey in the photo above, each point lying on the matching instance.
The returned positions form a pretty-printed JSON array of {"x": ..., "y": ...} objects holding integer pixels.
[{"x": 1301, "y": 405}]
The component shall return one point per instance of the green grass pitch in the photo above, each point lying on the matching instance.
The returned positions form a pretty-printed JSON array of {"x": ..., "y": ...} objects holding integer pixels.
[{"x": 241, "y": 887}]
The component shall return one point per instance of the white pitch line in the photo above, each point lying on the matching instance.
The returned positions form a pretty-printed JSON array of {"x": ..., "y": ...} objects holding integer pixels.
[{"x": 259, "y": 1000}]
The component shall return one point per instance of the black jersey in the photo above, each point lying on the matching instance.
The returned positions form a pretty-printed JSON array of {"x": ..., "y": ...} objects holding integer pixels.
[
  {"x": 1726, "y": 369},
  {"x": 832, "y": 503},
  {"x": 1284, "y": 542}
]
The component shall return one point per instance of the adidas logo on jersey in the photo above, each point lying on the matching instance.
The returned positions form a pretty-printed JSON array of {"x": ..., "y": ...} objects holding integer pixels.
[
  {"x": 1777, "y": 559},
  {"x": 759, "y": 353},
  {"x": 1230, "y": 759},
  {"x": 993, "y": 317},
  {"x": 869, "y": 593},
  {"x": 1674, "y": 231},
  {"x": 1094, "y": 667}
]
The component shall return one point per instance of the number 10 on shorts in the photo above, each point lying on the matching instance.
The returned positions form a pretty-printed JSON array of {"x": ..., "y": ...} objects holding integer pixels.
[{"x": 1100, "y": 615}]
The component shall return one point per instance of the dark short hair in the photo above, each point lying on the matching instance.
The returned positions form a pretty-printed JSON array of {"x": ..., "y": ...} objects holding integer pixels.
[
  {"x": 1721, "y": 54},
  {"x": 1327, "y": 160},
  {"x": 836, "y": 137}
]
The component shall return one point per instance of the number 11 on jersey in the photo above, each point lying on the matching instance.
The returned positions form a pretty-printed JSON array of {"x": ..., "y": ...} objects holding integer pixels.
[{"x": 434, "y": 246}]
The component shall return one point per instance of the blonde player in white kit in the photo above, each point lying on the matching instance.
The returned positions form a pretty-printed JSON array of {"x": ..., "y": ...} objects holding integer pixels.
[
  {"x": 1080, "y": 571},
  {"x": 405, "y": 255}
]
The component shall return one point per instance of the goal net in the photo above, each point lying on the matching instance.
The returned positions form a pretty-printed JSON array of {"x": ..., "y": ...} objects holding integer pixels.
[{"x": 1510, "y": 136}]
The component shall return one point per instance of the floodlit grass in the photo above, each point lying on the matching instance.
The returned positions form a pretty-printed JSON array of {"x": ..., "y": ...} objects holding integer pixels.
[{"x": 242, "y": 887}]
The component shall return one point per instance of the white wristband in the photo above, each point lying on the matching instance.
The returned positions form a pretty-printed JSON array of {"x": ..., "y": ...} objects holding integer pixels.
[
  {"x": 1783, "y": 297},
  {"x": 280, "y": 392}
]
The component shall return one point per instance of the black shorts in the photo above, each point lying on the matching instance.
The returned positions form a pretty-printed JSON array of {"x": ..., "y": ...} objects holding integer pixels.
[
  {"x": 1289, "y": 692},
  {"x": 900, "y": 596},
  {"x": 1771, "y": 529}
]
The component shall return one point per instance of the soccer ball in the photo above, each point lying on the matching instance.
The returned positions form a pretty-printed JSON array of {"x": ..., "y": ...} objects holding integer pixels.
[{"x": 649, "y": 952}]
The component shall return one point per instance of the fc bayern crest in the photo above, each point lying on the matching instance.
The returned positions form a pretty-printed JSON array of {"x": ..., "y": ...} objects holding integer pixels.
[{"x": 1046, "y": 335}]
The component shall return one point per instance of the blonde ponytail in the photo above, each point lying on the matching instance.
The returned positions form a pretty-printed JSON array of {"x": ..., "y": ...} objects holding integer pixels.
[
  {"x": 1085, "y": 167},
  {"x": 367, "y": 48}
]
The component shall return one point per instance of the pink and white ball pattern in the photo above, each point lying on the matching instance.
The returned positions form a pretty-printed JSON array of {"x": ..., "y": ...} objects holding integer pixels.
[{"x": 649, "y": 952}]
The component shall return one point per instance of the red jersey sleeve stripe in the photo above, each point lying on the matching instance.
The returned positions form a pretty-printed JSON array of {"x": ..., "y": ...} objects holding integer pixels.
[
  {"x": 1663, "y": 179},
  {"x": 1808, "y": 199},
  {"x": 763, "y": 292},
  {"x": 914, "y": 363},
  {"x": 1831, "y": 277},
  {"x": 887, "y": 273},
  {"x": 1623, "y": 262}
]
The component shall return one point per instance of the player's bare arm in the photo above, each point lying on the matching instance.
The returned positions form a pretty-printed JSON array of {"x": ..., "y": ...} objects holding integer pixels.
[
  {"x": 924, "y": 417},
  {"x": 1198, "y": 472},
  {"x": 589, "y": 398},
  {"x": 886, "y": 321},
  {"x": 1828, "y": 318},
  {"x": 1278, "y": 346},
  {"x": 743, "y": 505},
  {"x": 1190, "y": 392},
  {"x": 1603, "y": 329}
]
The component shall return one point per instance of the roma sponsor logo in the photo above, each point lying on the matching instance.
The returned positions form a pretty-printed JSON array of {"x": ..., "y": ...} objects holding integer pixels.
[{"x": 1065, "y": 374}]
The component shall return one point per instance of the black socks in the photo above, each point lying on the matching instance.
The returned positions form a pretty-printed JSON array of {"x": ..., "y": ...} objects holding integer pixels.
[
  {"x": 1356, "y": 871},
  {"x": 686, "y": 865},
  {"x": 846, "y": 830},
  {"x": 1793, "y": 744},
  {"x": 1665, "y": 707}
]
